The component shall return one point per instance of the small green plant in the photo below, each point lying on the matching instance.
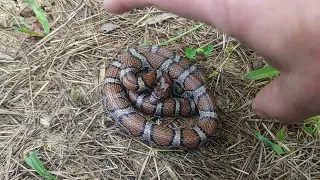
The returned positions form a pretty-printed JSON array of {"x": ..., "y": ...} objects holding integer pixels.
[
  {"x": 206, "y": 50},
  {"x": 41, "y": 16},
  {"x": 34, "y": 162},
  {"x": 190, "y": 52},
  {"x": 275, "y": 147},
  {"x": 312, "y": 126},
  {"x": 281, "y": 135}
]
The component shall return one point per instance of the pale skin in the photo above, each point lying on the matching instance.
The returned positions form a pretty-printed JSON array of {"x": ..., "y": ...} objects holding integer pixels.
[{"x": 286, "y": 33}]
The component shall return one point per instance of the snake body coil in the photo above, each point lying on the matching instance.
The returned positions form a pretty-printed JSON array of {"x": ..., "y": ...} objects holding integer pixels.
[{"x": 124, "y": 93}]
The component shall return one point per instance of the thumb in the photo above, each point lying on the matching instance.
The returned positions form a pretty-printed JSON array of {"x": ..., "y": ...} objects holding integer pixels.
[
  {"x": 288, "y": 99},
  {"x": 123, "y": 6}
]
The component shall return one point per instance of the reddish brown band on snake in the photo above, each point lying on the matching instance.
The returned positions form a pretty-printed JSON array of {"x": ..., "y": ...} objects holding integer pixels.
[{"x": 125, "y": 92}]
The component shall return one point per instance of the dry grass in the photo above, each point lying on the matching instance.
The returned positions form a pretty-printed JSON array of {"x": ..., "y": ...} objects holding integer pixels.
[{"x": 58, "y": 78}]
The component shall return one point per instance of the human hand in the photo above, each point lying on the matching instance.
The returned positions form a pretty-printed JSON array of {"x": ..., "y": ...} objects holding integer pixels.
[{"x": 286, "y": 33}]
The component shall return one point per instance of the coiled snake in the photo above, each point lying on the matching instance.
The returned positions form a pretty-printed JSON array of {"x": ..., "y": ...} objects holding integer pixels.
[{"x": 130, "y": 85}]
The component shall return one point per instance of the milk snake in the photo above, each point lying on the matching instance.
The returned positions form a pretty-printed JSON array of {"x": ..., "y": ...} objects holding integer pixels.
[{"x": 130, "y": 86}]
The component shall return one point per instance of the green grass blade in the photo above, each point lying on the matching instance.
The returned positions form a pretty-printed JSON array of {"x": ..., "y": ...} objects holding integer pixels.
[
  {"x": 262, "y": 138},
  {"x": 34, "y": 162},
  {"x": 281, "y": 135},
  {"x": 181, "y": 35},
  {"x": 41, "y": 16},
  {"x": 313, "y": 119},
  {"x": 262, "y": 73},
  {"x": 29, "y": 32},
  {"x": 275, "y": 147}
]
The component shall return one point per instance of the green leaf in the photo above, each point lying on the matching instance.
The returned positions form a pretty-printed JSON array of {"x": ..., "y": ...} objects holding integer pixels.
[
  {"x": 275, "y": 147},
  {"x": 207, "y": 50},
  {"x": 191, "y": 53},
  {"x": 199, "y": 50},
  {"x": 309, "y": 130},
  {"x": 281, "y": 136},
  {"x": 29, "y": 32},
  {"x": 41, "y": 16},
  {"x": 262, "y": 73},
  {"x": 34, "y": 162}
]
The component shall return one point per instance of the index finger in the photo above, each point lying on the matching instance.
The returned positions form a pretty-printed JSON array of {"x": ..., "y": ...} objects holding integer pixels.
[{"x": 201, "y": 10}]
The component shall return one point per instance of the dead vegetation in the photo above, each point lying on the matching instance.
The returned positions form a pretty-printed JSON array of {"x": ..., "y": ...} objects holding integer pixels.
[{"x": 50, "y": 102}]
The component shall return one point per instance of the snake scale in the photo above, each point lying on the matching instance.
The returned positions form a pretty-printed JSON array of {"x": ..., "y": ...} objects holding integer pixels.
[{"x": 144, "y": 79}]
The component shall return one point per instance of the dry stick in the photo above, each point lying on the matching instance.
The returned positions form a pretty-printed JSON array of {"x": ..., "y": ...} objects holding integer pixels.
[
  {"x": 7, "y": 94},
  {"x": 37, "y": 93},
  {"x": 92, "y": 119},
  {"x": 144, "y": 165},
  {"x": 8, "y": 112},
  {"x": 10, "y": 139},
  {"x": 156, "y": 166},
  {"x": 244, "y": 167},
  {"x": 30, "y": 86},
  {"x": 106, "y": 148}
]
